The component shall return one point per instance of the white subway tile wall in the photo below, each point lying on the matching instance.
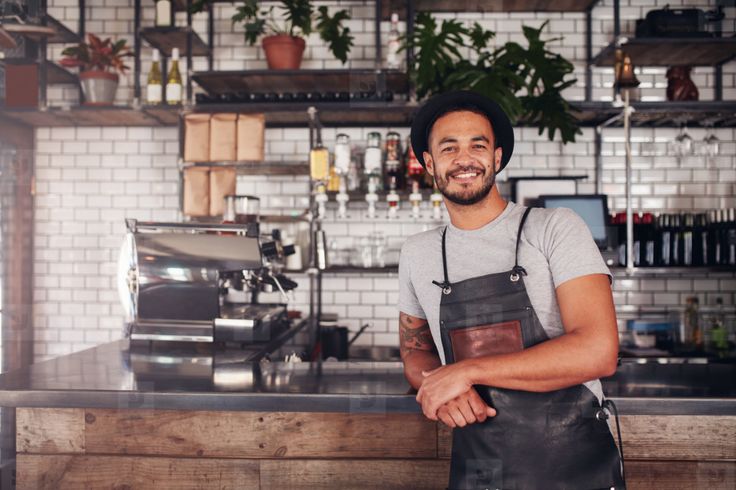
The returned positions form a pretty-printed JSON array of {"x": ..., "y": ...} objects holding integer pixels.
[{"x": 88, "y": 180}]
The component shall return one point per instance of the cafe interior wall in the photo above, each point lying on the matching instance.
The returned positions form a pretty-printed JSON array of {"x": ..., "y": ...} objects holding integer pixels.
[{"x": 89, "y": 179}]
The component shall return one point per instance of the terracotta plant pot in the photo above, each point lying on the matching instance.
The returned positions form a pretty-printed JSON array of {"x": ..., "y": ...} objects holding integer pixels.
[
  {"x": 99, "y": 87},
  {"x": 283, "y": 52}
]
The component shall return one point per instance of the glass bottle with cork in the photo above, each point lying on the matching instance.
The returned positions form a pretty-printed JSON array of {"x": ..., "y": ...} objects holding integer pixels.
[
  {"x": 173, "y": 80},
  {"x": 394, "y": 176},
  {"x": 372, "y": 160},
  {"x": 691, "y": 332},
  {"x": 154, "y": 83},
  {"x": 164, "y": 14},
  {"x": 414, "y": 175}
]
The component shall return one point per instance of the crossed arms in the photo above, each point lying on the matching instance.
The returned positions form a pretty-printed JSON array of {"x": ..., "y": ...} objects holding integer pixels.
[{"x": 587, "y": 350}]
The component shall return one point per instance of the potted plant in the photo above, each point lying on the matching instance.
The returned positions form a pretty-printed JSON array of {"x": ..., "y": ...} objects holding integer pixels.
[
  {"x": 526, "y": 82},
  {"x": 99, "y": 63},
  {"x": 283, "y": 40}
]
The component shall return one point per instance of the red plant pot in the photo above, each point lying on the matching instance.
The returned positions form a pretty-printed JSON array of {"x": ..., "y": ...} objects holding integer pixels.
[{"x": 283, "y": 52}]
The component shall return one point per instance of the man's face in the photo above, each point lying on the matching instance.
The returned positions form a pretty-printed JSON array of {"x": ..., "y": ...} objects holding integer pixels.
[{"x": 461, "y": 157}]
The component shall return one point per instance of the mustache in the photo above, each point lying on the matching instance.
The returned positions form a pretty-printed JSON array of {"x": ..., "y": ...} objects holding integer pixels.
[{"x": 466, "y": 169}]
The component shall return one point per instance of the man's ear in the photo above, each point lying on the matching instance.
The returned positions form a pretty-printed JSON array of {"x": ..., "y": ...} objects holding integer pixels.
[
  {"x": 428, "y": 163},
  {"x": 498, "y": 156}
]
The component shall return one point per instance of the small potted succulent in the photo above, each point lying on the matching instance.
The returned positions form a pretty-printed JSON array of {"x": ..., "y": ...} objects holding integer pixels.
[
  {"x": 283, "y": 41},
  {"x": 99, "y": 63}
]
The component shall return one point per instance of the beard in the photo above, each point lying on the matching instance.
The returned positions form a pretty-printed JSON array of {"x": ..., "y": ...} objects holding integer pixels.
[{"x": 465, "y": 197}]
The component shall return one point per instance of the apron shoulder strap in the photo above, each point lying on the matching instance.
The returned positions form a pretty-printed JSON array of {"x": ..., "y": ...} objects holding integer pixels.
[
  {"x": 444, "y": 285},
  {"x": 517, "y": 268}
]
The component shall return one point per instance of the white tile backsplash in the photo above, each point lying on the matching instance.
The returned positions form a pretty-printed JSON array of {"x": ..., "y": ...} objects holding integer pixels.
[{"x": 88, "y": 179}]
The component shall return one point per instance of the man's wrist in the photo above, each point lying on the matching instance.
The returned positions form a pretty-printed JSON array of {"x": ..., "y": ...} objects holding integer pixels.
[{"x": 472, "y": 371}]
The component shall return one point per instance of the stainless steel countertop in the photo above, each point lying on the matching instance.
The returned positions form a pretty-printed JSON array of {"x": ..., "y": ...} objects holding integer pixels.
[{"x": 118, "y": 375}]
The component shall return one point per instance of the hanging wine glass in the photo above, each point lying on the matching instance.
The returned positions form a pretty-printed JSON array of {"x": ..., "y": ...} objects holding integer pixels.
[
  {"x": 683, "y": 143},
  {"x": 711, "y": 144}
]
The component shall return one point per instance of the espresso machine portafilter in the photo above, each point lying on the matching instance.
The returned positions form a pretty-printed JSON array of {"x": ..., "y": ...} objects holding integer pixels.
[{"x": 175, "y": 282}]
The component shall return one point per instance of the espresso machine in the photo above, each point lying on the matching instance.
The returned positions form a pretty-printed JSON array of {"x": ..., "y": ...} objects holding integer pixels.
[{"x": 201, "y": 283}]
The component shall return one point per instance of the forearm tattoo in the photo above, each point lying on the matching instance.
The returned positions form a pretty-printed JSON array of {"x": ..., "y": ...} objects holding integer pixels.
[{"x": 415, "y": 334}]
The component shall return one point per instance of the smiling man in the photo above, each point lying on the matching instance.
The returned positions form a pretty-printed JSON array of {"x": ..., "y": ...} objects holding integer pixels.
[{"x": 506, "y": 317}]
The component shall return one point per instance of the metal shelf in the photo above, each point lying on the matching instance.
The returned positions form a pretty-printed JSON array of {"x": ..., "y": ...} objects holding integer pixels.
[
  {"x": 365, "y": 114},
  {"x": 658, "y": 51},
  {"x": 57, "y": 75},
  {"x": 62, "y": 35},
  {"x": 90, "y": 116},
  {"x": 306, "y": 81},
  {"x": 344, "y": 114},
  {"x": 500, "y": 6},
  {"x": 660, "y": 114},
  {"x": 259, "y": 168},
  {"x": 165, "y": 39}
]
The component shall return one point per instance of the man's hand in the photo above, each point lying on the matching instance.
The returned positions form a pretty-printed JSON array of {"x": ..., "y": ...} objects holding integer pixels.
[
  {"x": 468, "y": 408},
  {"x": 442, "y": 385}
]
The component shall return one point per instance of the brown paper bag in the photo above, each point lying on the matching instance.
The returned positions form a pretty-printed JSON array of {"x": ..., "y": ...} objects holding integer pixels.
[
  {"x": 196, "y": 191},
  {"x": 197, "y": 138},
  {"x": 222, "y": 183},
  {"x": 251, "y": 128},
  {"x": 222, "y": 137}
]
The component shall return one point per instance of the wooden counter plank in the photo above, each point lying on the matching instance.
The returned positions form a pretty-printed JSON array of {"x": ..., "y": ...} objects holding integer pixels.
[
  {"x": 259, "y": 435},
  {"x": 682, "y": 475},
  {"x": 50, "y": 430},
  {"x": 355, "y": 474},
  {"x": 51, "y": 472},
  {"x": 681, "y": 437},
  {"x": 444, "y": 440},
  {"x": 678, "y": 437}
]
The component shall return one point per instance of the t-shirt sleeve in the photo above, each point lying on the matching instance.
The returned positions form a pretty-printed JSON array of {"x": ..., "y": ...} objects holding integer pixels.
[
  {"x": 570, "y": 248},
  {"x": 408, "y": 301}
]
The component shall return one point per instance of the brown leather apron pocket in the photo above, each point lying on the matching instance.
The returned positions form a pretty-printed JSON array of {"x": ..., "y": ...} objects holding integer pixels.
[{"x": 486, "y": 340}]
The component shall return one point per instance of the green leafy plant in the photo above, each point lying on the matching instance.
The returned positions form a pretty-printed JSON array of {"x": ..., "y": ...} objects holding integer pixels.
[
  {"x": 296, "y": 19},
  {"x": 526, "y": 82},
  {"x": 98, "y": 55}
]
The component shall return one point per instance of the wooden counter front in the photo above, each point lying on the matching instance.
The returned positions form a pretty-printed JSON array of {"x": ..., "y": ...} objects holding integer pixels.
[{"x": 141, "y": 449}]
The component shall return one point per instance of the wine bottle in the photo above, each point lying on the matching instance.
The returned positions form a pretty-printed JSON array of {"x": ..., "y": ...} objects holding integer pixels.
[
  {"x": 730, "y": 233},
  {"x": 647, "y": 240},
  {"x": 677, "y": 242},
  {"x": 700, "y": 241},
  {"x": 638, "y": 239},
  {"x": 154, "y": 82},
  {"x": 393, "y": 174},
  {"x": 372, "y": 162},
  {"x": 667, "y": 241},
  {"x": 393, "y": 61},
  {"x": 687, "y": 240},
  {"x": 164, "y": 14},
  {"x": 173, "y": 81}
]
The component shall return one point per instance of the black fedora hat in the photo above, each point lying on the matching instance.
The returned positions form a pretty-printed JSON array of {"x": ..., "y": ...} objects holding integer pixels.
[{"x": 460, "y": 100}]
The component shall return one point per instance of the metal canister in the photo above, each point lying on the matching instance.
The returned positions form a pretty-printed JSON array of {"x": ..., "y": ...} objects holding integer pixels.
[
  {"x": 342, "y": 154},
  {"x": 393, "y": 147}
]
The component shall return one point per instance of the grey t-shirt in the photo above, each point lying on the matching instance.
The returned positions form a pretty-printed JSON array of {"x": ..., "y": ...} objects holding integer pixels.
[{"x": 556, "y": 246}]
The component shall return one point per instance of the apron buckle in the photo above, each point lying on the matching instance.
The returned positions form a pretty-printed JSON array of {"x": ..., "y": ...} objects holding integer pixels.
[
  {"x": 517, "y": 272},
  {"x": 445, "y": 286}
]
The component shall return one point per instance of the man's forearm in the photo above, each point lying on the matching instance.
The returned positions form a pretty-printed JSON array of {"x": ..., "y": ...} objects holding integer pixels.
[
  {"x": 416, "y": 361},
  {"x": 417, "y": 348},
  {"x": 558, "y": 363}
]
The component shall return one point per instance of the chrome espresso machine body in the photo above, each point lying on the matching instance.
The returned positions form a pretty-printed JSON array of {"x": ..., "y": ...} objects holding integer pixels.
[{"x": 201, "y": 283}]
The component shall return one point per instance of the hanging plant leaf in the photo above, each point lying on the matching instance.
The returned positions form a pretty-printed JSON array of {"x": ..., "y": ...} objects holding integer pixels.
[
  {"x": 527, "y": 82},
  {"x": 338, "y": 38}
]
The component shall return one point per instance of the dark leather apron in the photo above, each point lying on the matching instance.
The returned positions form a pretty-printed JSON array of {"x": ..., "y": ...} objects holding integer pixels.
[{"x": 553, "y": 440}]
